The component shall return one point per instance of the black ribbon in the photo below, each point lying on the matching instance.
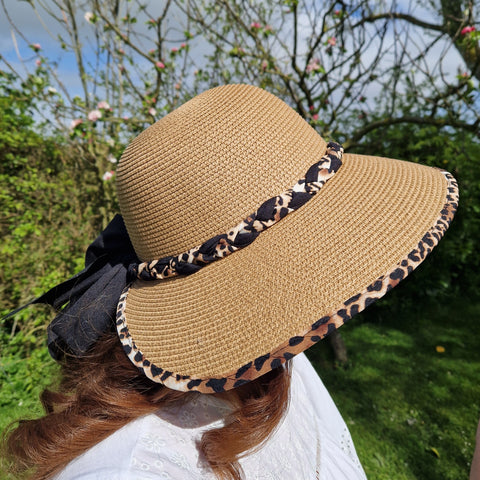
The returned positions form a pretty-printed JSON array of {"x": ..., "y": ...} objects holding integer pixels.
[{"x": 91, "y": 296}]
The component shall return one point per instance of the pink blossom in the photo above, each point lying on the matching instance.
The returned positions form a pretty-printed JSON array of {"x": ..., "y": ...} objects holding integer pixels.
[
  {"x": 111, "y": 159},
  {"x": 465, "y": 75},
  {"x": 336, "y": 13},
  {"x": 36, "y": 47},
  {"x": 89, "y": 17},
  {"x": 75, "y": 123},
  {"x": 108, "y": 175},
  {"x": 151, "y": 51},
  {"x": 94, "y": 115},
  {"x": 121, "y": 51},
  {"x": 332, "y": 41},
  {"x": 152, "y": 111},
  {"x": 268, "y": 28},
  {"x": 467, "y": 30},
  {"x": 104, "y": 105},
  {"x": 174, "y": 50},
  {"x": 313, "y": 65},
  {"x": 38, "y": 62},
  {"x": 160, "y": 65},
  {"x": 152, "y": 21},
  {"x": 311, "y": 108},
  {"x": 177, "y": 86},
  {"x": 255, "y": 25},
  {"x": 125, "y": 117},
  {"x": 315, "y": 116},
  {"x": 183, "y": 45},
  {"x": 264, "y": 65}
]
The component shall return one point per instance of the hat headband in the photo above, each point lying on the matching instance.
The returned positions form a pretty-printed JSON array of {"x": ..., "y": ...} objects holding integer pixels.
[{"x": 269, "y": 213}]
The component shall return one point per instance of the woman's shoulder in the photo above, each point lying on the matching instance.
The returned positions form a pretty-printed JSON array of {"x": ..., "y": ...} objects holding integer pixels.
[
  {"x": 158, "y": 445},
  {"x": 147, "y": 448},
  {"x": 312, "y": 437}
]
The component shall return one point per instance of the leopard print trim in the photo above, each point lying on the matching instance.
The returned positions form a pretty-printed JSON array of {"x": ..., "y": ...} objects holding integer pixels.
[
  {"x": 269, "y": 213},
  {"x": 318, "y": 330}
]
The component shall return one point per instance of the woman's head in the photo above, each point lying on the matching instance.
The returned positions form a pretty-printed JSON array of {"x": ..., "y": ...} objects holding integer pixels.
[
  {"x": 102, "y": 391},
  {"x": 245, "y": 239}
]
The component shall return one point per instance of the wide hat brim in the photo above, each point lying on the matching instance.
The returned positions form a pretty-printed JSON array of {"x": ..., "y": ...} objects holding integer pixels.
[{"x": 236, "y": 319}]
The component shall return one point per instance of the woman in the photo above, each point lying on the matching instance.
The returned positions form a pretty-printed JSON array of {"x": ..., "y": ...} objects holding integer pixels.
[{"x": 186, "y": 362}]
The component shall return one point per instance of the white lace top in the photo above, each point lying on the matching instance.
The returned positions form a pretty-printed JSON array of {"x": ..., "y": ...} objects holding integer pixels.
[{"x": 312, "y": 442}]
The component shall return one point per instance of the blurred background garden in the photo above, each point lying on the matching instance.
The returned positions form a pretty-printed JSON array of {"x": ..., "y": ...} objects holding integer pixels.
[{"x": 80, "y": 78}]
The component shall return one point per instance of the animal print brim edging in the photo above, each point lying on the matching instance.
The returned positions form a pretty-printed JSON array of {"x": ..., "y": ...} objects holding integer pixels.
[{"x": 318, "y": 330}]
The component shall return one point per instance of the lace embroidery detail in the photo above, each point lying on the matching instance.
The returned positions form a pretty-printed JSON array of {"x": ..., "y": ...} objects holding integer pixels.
[
  {"x": 181, "y": 461},
  {"x": 346, "y": 444},
  {"x": 153, "y": 443}
]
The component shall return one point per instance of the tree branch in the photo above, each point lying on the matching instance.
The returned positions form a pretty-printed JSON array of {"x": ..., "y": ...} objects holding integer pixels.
[
  {"x": 385, "y": 122},
  {"x": 400, "y": 16}
]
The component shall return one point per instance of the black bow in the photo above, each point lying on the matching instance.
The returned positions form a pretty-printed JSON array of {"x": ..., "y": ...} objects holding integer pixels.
[{"x": 91, "y": 296}]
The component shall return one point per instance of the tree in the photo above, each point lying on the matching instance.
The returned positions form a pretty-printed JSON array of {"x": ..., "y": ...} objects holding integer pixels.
[{"x": 348, "y": 67}]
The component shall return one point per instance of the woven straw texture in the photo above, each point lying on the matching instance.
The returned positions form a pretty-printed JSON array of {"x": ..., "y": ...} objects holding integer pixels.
[{"x": 206, "y": 166}]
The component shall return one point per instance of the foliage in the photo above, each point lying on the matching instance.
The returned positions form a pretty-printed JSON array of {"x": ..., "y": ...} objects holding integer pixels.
[
  {"x": 410, "y": 394},
  {"x": 23, "y": 378},
  {"x": 48, "y": 211},
  {"x": 330, "y": 60},
  {"x": 337, "y": 63}
]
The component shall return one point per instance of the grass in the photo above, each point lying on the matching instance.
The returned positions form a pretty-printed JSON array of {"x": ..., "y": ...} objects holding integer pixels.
[{"x": 412, "y": 410}]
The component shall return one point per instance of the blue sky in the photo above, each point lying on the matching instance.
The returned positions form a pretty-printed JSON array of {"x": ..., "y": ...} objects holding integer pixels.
[
  {"x": 43, "y": 30},
  {"x": 32, "y": 26}
]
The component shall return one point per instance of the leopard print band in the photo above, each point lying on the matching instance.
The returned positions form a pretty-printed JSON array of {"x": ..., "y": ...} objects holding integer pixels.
[{"x": 269, "y": 213}]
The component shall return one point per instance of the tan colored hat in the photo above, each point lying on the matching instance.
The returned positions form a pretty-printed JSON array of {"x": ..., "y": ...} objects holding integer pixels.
[{"x": 205, "y": 167}]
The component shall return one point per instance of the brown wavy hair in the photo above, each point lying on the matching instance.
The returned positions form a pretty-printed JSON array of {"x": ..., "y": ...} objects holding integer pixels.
[{"x": 103, "y": 391}]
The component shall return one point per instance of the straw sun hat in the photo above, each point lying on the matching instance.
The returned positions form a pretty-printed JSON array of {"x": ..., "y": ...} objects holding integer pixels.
[
  {"x": 193, "y": 185},
  {"x": 245, "y": 239}
]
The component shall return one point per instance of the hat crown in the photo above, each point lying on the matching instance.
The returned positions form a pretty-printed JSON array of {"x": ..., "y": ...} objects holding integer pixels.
[{"x": 207, "y": 165}]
